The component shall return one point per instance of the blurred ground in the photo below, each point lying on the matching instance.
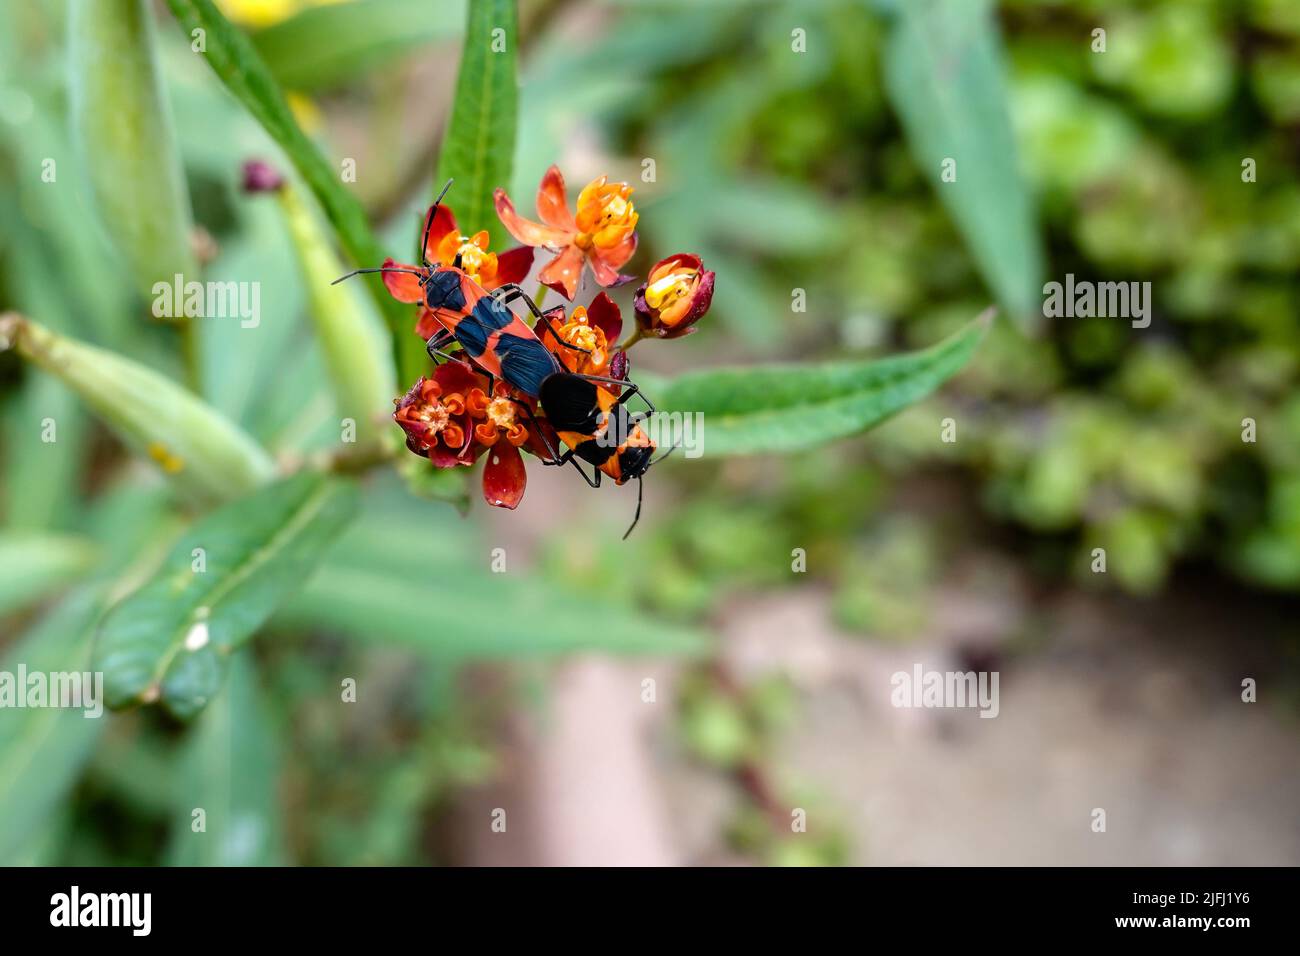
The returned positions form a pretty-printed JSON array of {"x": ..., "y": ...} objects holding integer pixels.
[{"x": 1127, "y": 705}]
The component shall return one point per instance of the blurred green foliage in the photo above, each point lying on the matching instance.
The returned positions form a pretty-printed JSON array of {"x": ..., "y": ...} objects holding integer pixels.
[{"x": 783, "y": 172}]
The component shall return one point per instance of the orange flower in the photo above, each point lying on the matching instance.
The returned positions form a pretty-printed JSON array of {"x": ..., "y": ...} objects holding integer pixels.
[
  {"x": 676, "y": 294},
  {"x": 594, "y": 328},
  {"x": 435, "y": 416},
  {"x": 499, "y": 415},
  {"x": 446, "y": 242},
  {"x": 602, "y": 234}
]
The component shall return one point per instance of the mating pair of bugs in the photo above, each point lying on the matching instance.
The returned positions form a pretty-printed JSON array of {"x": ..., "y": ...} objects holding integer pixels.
[{"x": 596, "y": 426}]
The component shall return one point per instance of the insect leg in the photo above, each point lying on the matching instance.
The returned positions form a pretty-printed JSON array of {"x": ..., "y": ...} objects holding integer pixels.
[
  {"x": 437, "y": 342},
  {"x": 556, "y": 457},
  {"x": 511, "y": 291}
]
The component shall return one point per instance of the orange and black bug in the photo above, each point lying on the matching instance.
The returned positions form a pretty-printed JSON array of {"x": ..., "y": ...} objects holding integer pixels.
[
  {"x": 594, "y": 423},
  {"x": 598, "y": 429},
  {"x": 498, "y": 341}
]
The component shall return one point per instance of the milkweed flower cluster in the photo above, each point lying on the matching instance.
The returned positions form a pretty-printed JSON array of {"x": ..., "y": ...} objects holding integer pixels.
[{"x": 459, "y": 413}]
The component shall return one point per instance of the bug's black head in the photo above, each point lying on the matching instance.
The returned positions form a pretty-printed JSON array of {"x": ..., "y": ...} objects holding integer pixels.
[
  {"x": 633, "y": 462},
  {"x": 443, "y": 290}
]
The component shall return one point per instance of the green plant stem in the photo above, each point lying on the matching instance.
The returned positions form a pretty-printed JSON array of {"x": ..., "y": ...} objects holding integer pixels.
[
  {"x": 191, "y": 356},
  {"x": 632, "y": 339}
]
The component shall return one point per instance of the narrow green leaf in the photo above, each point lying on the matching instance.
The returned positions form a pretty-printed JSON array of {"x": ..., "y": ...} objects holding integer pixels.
[
  {"x": 480, "y": 616},
  {"x": 325, "y": 47},
  {"x": 33, "y": 565},
  {"x": 944, "y": 75},
  {"x": 784, "y": 408},
  {"x": 229, "y": 772},
  {"x": 204, "y": 454},
  {"x": 42, "y": 479},
  {"x": 124, "y": 125},
  {"x": 400, "y": 577},
  {"x": 171, "y": 638},
  {"x": 234, "y": 59},
  {"x": 355, "y": 348},
  {"x": 480, "y": 144},
  {"x": 42, "y": 749}
]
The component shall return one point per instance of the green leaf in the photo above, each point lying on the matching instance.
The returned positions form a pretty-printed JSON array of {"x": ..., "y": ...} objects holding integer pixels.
[
  {"x": 474, "y": 615},
  {"x": 480, "y": 143},
  {"x": 170, "y": 639},
  {"x": 204, "y": 454},
  {"x": 33, "y": 565},
  {"x": 42, "y": 749},
  {"x": 944, "y": 75},
  {"x": 125, "y": 131},
  {"x": 235, "y": 60},
  {"x": 355, "y": 347},
  {"x": 786, "y": 408},
  {"x": 229, "y": 772},
  {"x": 412, "y": 574},
  {"x": 325, "y": 47}
]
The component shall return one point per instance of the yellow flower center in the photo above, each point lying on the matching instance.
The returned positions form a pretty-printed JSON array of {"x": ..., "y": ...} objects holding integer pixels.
[
  {"x": 583, "y": 336},
  {"x": 616, "y": 210},
  {"x": 662, "y": 293},
  {"x": 501, "y": 412},
  {"x": 471, "y": 256},
  {"x": 433, "y": 415}
]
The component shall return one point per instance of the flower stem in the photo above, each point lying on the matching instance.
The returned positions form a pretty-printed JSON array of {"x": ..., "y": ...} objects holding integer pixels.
[
  {"x": 632, "y": 339},
  {"x": 540, "y": 296}
]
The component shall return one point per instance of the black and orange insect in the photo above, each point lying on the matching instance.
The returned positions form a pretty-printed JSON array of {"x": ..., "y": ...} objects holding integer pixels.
[
  {"x": 481, "y": 322},
  {"x": 595, "y": 424},
  {"x": 599, "y": 429}
]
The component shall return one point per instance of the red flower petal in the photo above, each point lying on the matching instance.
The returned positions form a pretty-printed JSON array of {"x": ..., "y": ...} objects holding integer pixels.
[
  {"x": 504, "y": 476},
  {"x": 513, "y": 265},
  {"x": 525, "y": 230},
  {"x": 457, "y": 377},
  {"x": 605, "y": 263},
  {"x": 440, "y": 456},
  {"x": 562, "y": 272},
  {"x": 444, "y": 221},
  {"x": 553, "y": 201},
  {"x": 604, "y": 314},
  {"x": 403, "y": 286}
]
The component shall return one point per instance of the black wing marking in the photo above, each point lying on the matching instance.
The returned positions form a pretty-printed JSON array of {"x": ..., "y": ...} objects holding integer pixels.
[
  {"x": 570, "y": 404},
  {"x": 525, "y": 363}
]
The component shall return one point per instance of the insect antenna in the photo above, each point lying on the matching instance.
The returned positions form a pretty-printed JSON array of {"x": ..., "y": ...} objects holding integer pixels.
[
  {"x": 424, "y": 243},
  {"x": 357, "y": 272},
  {"x": 671, "y": 449},
  {"x": 640, "y": 487}
]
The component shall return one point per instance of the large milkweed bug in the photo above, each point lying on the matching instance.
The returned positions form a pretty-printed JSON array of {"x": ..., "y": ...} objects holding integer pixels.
[
  {"x": 594, "y": 423},
  {"x": 498, "y": 341},
  {"x": 599, "y": 429}
]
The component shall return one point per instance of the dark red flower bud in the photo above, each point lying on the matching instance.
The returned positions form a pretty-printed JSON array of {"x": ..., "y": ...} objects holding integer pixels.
[
  {"x": 260, "y": 177},
  {"x": 676, "y": 294}
]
